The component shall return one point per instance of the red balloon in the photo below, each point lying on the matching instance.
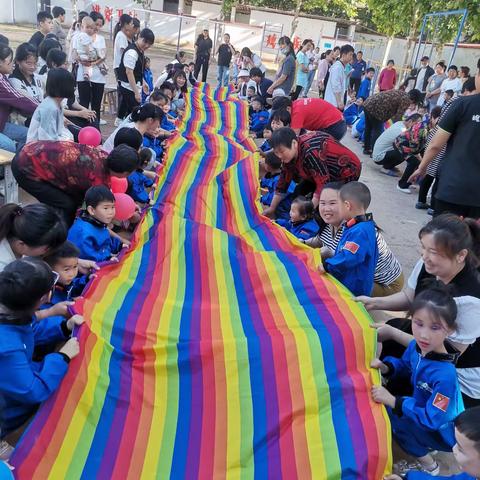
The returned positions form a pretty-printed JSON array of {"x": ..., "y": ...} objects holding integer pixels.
[
  {"x": 89, "y": 136},
  {"x": 124, "y": 206},
  {"x": 119, "y": 185}
]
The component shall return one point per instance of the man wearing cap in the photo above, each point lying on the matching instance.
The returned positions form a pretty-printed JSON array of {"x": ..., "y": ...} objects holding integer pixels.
[
  {"x": 203, "y": 48},
  {"x": 424, "y": 73}
]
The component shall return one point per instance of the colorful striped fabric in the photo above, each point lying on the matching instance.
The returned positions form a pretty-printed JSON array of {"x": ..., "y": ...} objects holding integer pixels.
[{"x": 213, "y": 349}]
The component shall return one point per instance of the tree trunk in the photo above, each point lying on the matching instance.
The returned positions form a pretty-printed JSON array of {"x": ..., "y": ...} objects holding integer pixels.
[
  {"x": 298, "y": 8},
  {"x": 411, "y": 37}
]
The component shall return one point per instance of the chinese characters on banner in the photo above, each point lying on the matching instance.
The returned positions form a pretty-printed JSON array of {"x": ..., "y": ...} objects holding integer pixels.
[
  {"x": 109, "y": 13},
  {"x": 271, "y": 37}
]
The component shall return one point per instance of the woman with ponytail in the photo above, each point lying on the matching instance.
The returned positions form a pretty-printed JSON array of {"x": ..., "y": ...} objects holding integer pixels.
[
  {"x": 145, "y": 118},
  {"x": 450, "y": 255},
  {"x": 286, "y": 71},
  {"x": 29, "y": 231}
]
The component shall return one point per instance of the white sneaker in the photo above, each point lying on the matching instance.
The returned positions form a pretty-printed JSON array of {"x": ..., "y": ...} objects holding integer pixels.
[
  {"x": 117, "y": 122},
  {"x": 404, "y": 190},
  {"x": 103, "y": 122},
  {"x": 6, "y": 450}
]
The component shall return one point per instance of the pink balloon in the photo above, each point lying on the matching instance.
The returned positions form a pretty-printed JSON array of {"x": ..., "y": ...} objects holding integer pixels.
[
  {"x": 119, "y": 185},
  {"x": 90, "y": 136},
  {"x": 124, "y": 206}
]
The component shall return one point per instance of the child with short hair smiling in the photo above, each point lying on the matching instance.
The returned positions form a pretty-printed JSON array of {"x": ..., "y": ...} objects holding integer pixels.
[
  {"x": 90, "y": 232},
  {"x": 258, "y": 116},
  {"x": 424, "y": 421},
  {"x": 301, "y": 223},
  {"x": 267, "y": 135},
  {"x": 356, "y": 254},
  {"x": 280, "y": 119}
]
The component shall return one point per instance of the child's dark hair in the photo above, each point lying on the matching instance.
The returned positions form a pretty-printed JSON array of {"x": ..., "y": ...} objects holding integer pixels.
[
  {"x": 22, "y": 285},
  {"x": 60, "y": 83},
  {"x": 157, "y": 95},
  {"x": 166, "y": 86},
  {"x": 370, "y": 69},
  {"x": 356, "y": 192},
  {"x": 449, "y": 92},
  {"x": 191, "y": 63},
  {"x": 273, "y": 161},
  {"x": 438, "y": 301},
  {"x": 148, "y": 36},
  {"x": 415, "y": 96},
  {"x": 268, "y": 127},
  {"x": 123, "y": 159},
  {"x": 452, "y": 234},
  {"x": 35, "y": 225},
  {"x": 147, "y": 60},
  {"x": 66, "y": 250},
  {"x": 305, "y": 207},
  {"x": 4, "y": 40},
  {"x": 25, "y": 50},
  {"x": 435, "y": 112},
  {"x": 124, "y": 19},
  {"x": 255, "y": 72},
  {"x": 57, "y": 11},
  {"x": 257, "y": 98},
  {"x": 128, "y": 136},
  {"x": 414, "y": 117},
  {"x": 469, "y": 85},
  {"x": 42, "y": 16},
  {"x": 146, "y": 111},
  {"x": 46, "y": 45},
  {"x": 136, "y": 22},
  {"x": 283, "y": 137},
  {"x": 56, "y": 58},
  {"x": 98, "y": 194},
  {"x": 281, "y": 116},
  {"x": 144, "y": 156},
  {"x": 281, "y": 103},
  {"x": 97, "y": 16},
  {"x": 468, "y": 424}
]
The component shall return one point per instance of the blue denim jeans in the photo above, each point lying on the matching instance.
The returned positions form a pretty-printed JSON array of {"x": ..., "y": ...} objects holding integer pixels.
[
  {"x": 223, "y": 76},
  {"x": 13, "y": 134}
]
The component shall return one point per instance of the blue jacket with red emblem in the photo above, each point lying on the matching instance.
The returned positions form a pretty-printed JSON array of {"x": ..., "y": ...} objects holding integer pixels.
[
  {"x": 356, "y": 256},
  {"x": 303, "y": 230}
]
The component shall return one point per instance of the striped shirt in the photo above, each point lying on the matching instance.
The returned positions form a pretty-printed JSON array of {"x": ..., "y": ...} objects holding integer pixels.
[{"x": 388, "y": 268}]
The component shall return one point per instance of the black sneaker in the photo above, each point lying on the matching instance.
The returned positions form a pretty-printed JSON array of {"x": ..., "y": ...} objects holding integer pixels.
[{"x": 422, "y": 206}]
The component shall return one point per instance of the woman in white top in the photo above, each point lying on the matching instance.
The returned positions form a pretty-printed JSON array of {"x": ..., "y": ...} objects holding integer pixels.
[
  {"x": 122, "y": 37},
  {"x": 29, "y": 231},
  {"x": 250, "y": 60},
  {"x": 388, "y": 278},
  {"x": 91, "y": 92},
  {"x": 452, "y": 82}
]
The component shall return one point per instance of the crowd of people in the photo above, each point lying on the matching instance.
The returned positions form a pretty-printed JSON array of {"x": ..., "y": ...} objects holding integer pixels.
[{"x": 52, "y": 87}]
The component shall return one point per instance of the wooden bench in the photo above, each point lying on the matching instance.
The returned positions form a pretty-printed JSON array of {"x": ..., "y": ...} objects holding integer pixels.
[
  {"x": 11, "y": 186},
  {"x": 110, "y": 100}
]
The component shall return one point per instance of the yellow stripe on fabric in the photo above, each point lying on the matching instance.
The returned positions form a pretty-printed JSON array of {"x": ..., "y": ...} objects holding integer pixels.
[
  {"x": 85, "y": 417},
  {"x": 161, "y": 438},
  {"x": 237, "y": 368}
]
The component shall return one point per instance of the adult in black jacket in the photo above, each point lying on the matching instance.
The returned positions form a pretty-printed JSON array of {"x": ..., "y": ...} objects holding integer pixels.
[
  {"x": 130, "y": 72},
  {"x": 203, "y": 49},
  {"x": 423, "y": 74}
]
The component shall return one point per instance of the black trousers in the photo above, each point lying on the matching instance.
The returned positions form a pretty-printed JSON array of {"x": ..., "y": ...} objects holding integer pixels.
[
  {"x": 201, "y": 62},
  {"x": 355, "y": 83},
  {"x": 412, "y": 165},
  {"x": 128, "y": 102},
  {"x": 373, "y": 129},
  {"x": 460, "y": 210},
  {"x": 297, "y": 91},
  {"x": 91, "y": 95},
  {"x": 391, "y": 159},
  {"x": 425, "y": 187},
  {"x": 44, "y": 192}
]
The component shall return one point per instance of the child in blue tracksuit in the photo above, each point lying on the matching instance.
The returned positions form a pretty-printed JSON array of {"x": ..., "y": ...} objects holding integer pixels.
[
  {"x": 356, "y": 254},
  {"x": 90, "y": 231},
  {"x": 267, "y": 135},
  {"x": 64, "y": 261},
  {"x": 139, "y": 185},
  {"x": 353, "y": 111},
  {"x": 24, "y": 285},
  {"x": 148, "y": 79},
  {"x": 268, "y": 184},
  {"x": 424, "y": 422},
  {"x": 259, "y": 117},
  {"x": 466, "y": 449},
  {"x": 301, "y": 223},
  {"x": 366, "y": 85}
]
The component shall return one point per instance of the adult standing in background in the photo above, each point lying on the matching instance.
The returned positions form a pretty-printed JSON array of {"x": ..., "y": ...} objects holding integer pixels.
[
  {"x": 433, "y": 89},
  {"x": 314, "y": 58},
  {"x": 90, "y": 92},
  {"x": 225, "y": 51},
  {"x": 58, "y": 18},
  {"x": 302, "y": 68},
  {"x": 251, "y": 60},
  {"x": 336, "y": 86},
  {"x": 423, "y": 75},
  {"x": 452, "y": 82},
  {"x": 323, "y": 67},
  {"x": 388, "y": 77},
  {"x": 45, "y": 25},
  {"x": 285, "y": 75},
  {"x": 359, "y": 67},
  {"x": 121, "y": 40},
  {"x": 130, "y": 72},
  {"x": 203, "y": 49}
]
